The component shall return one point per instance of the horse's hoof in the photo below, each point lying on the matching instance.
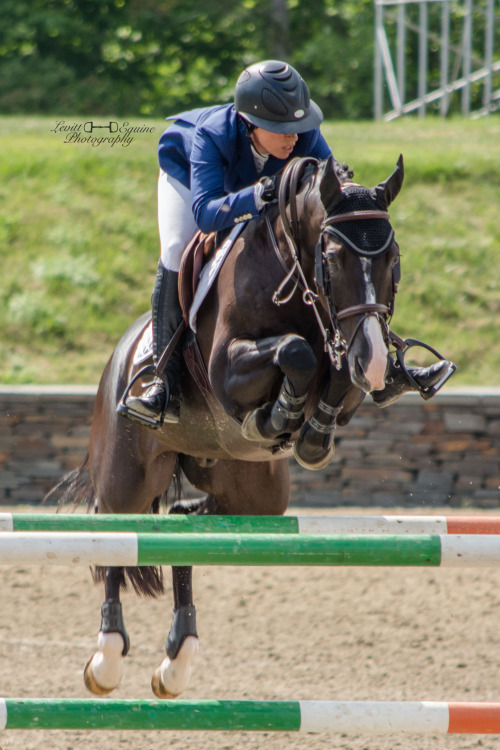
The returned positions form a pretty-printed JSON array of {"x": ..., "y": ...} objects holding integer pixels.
[
  {"x": 90, "y": 681},
  {"x": 249, "y": 428},
  {"x": 104, "y": 670},
  {"x": 314, "y": 460},
  {"x": 173, "y": 675}
]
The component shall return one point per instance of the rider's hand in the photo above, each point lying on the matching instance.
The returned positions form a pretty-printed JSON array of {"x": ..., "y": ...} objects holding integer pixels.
[{"x": 266, "y": 190}]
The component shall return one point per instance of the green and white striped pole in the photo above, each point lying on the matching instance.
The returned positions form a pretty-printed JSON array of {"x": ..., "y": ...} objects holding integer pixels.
[
  {"x": 303, "y": 524},
  {"x": 372, "y": 717},
  {"x": 129, "y": 549}
]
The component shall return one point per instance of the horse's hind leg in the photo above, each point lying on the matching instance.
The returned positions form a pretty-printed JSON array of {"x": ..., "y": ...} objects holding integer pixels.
[
  {"x": 233, "y": 487},
  {"x": 104, "y": 670},
  {"x": 122, "y": 485},
  {"x": 174, "y": 673}
]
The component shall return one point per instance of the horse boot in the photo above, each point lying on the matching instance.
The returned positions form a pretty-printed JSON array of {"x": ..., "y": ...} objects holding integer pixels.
[
  {"x": 161, "y": 401},
  {"x": 315, "y": 446},
  {"x": 426, "y": 380}
]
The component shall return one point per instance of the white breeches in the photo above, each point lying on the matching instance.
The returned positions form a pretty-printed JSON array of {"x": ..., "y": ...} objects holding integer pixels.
[{"x": 176, "y": 223}]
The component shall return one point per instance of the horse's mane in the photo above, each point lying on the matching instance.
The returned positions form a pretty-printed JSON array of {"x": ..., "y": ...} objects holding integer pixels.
[{"x": 343, "y": 171}]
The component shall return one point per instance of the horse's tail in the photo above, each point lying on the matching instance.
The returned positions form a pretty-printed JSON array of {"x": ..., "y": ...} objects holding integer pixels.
[
  {"x": 147, "y": 580},
  {"x": 76, "y": 487}
]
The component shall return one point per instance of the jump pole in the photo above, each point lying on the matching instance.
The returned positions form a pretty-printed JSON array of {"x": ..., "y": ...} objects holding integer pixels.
[
  {"x": 129, "y": 549},
  {"x": 269, "y": 716},
  {"x": 306, "y": 524}
]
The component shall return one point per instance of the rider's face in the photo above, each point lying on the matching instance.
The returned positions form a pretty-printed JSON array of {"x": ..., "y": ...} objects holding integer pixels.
[{"x": 278, "y": 145}]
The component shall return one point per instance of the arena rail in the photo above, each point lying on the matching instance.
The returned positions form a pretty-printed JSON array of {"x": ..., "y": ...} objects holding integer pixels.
[
  {"x": 140, "y": 549},
  {"x": 373, "y": 717},
  {"x": 303, "y": 524}
]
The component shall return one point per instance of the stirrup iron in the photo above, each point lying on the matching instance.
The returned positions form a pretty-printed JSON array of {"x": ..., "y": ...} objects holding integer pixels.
[
  {"x": 402, "y": 347},
  {"x": 125, "y": 411}
]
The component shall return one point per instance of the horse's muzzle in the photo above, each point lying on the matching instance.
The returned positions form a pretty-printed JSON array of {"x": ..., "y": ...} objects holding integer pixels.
[{"x": 367, "y": 356}]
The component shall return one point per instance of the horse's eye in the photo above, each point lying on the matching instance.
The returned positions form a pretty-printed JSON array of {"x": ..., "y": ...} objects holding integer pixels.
[{"x": 333, "y": 259}]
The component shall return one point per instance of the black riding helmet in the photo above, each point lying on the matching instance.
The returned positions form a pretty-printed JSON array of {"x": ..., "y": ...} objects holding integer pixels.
[{"x": 273, "y": 96}]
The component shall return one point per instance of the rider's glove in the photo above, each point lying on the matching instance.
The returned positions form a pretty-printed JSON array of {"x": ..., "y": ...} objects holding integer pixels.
[{"x": 266, "y": 190}]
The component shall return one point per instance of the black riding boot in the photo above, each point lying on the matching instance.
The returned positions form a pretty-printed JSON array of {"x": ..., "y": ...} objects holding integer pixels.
[
  {"x": 425, "y": 380},
  {"x": 167, "y": 316}
]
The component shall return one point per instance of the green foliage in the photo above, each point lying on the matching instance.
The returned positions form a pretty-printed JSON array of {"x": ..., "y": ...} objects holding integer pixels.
[
  {"x": 79, "y": 240},
  {"x": 152, "y": 57}
]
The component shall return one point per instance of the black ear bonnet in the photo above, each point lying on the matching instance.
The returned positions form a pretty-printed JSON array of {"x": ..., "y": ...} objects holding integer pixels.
[{"x": 370, "y": 236}]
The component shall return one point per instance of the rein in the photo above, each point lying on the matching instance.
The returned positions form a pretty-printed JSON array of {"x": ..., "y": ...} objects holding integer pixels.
[
  {"x": 338, "y": 346},
  {"x": 290, "y": 180}
]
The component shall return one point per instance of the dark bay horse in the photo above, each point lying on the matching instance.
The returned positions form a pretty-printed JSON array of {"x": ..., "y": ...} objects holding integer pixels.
[{"x": 290, "y": 338}]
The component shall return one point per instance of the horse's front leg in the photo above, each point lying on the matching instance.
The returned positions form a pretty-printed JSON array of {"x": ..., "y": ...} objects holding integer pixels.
[
  {"x": 315, "y": 446},
  {"x": 104, "y": 670},
  {"x": 254, "y": 368}
]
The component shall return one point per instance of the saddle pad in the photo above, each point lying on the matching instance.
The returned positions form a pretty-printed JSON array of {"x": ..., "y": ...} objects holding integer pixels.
[
  {"x": 144, "y": 348},
  {"x": 210, "y": 271}
]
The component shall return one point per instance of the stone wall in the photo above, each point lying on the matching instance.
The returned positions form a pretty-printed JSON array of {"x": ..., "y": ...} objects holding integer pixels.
[{"x": 443, "y": 452}]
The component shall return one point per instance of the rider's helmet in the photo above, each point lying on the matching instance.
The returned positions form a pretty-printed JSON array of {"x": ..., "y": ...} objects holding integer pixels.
[{"x": 273, "y": 96}]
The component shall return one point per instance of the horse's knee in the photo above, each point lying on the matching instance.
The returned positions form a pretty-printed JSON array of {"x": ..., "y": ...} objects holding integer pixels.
[{"x": 297, "y": 360}]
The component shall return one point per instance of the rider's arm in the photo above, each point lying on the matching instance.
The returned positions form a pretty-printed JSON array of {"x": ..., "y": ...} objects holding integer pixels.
[{"x": 213, "y": 207}]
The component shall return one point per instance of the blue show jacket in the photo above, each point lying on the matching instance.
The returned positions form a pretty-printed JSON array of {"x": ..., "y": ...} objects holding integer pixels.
[{"x": 208, "y": 150}]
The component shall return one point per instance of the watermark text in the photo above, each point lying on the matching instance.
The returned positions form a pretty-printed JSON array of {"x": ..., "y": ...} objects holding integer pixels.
[{"x": 97, "y": 133}]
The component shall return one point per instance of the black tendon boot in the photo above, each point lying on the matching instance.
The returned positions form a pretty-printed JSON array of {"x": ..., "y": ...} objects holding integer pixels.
[
  {"x": 167, "y": 316},
  {"x": 426, "y": 380}
]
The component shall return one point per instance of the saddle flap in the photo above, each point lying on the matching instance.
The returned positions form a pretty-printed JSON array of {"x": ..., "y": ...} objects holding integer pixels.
[
  {"x": 194, "y": 257},
  {"x": 200, "y": 265}
]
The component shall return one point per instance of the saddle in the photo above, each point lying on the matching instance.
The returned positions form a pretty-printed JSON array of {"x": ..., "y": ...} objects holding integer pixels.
[
  {"x": 202, "y": 249},
  {"x": 201, "y": 262},
  {"x": 199, "y": 251}
]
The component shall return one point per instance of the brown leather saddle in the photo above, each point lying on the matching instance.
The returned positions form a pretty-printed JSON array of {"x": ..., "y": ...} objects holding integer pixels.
[{"x": 195, "y": 256}]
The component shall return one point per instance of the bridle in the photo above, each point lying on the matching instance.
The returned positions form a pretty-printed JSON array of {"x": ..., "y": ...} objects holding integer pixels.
[{"x": 336, "y": 344}]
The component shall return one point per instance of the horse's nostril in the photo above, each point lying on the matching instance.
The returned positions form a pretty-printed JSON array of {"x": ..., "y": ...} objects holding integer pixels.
[{"x": 359, "y": 375}]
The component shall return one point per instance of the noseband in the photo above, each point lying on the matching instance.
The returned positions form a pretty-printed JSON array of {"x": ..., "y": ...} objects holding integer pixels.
[
  {"x": 382, "y": 312},
  {"x": 337, "y": 346}
]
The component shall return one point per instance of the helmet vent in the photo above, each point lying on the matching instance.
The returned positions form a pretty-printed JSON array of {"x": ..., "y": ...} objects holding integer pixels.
[
  {"x": 273, "y": 103},
  {"x": 245, "y": 76}
]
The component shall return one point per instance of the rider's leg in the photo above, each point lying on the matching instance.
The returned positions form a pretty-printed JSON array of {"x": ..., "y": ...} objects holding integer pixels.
[
  {"x": 167, "y": 316},
  {"x": 425, "y": 379},
  {"x": 176, "y": 226}
]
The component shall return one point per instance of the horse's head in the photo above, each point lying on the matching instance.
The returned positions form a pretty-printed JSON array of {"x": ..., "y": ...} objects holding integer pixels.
[{"x": 357, "y": 268}]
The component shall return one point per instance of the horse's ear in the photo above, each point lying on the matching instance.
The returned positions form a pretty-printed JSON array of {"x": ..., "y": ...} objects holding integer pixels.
[
  {"x": 388, "y": 190},
  {"x": 329, "y": 186}
]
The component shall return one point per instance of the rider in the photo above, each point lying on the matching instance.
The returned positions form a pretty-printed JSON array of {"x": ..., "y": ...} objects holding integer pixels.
[{"x": 217, "y": 166}]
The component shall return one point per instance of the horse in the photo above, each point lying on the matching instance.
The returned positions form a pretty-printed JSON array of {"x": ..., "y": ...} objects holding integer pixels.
[{"x": 291, "y": 336}]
